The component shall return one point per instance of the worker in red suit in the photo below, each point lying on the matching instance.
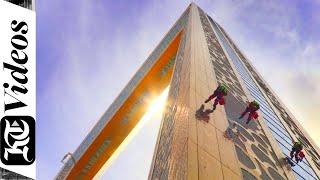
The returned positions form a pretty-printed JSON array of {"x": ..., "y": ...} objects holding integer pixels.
[
  {"x": 218, "y": 94},
  {"x": 296, "y": 150},
  {"x": 252, "y": 110},
  {"x": 300, "y": 156}
]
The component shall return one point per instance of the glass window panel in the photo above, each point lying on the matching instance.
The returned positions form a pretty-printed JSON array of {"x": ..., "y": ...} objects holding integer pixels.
[
  {"x": 284, "y": 143},
  {"x": 308, "y": 169},
  {"x": 275, "y": 124},
  {"x": 298, "y": 176},
  {"x": 270, "y": 117},
  {"x": 272, "y": 126},
  {"x": 274, "y": 120},
  {"x": 252, "y": 87},
  {"x": 281, "y": 137}
]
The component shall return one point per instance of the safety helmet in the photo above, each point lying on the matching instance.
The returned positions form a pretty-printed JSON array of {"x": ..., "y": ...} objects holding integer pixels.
[
  {"x": 256, "y": 104},
  {"x": 223, "y": 88},
  {"x": 299, "y": 142}
]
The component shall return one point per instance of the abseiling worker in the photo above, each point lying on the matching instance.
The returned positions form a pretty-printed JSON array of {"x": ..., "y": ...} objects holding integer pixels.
[
  {"x": 296, "y": 151},
  {"x": 252, "y": 109},
  {"x": 218, "y": 94}
]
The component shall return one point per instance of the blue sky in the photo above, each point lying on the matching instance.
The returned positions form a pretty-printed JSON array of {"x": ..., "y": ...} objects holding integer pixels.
[{"x": 88, "y": 50}]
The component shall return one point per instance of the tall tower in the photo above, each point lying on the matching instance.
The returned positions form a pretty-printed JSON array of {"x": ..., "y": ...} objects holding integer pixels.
[{"x": 194, "y": 57}]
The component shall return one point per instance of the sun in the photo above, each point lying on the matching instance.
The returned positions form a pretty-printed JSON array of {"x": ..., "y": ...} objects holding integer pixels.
[
  {"x": 157, "y": 105},
  {"x": 155, "y": 109}
]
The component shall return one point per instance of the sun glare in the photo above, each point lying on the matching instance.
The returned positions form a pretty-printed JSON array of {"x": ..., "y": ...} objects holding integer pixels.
[
  {"x": 155, "y": 109},
  {"x": 157, "y": 105}
]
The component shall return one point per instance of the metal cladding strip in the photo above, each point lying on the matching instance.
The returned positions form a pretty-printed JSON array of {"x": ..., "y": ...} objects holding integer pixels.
[
  {"x": 283, "y": 113},
  {"x": 151, "y": 60},
  {"x": 161, "y": 166}
]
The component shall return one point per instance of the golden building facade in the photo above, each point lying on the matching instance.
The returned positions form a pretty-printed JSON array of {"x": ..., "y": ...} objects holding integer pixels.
[{"x": 193, "y": 58}]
